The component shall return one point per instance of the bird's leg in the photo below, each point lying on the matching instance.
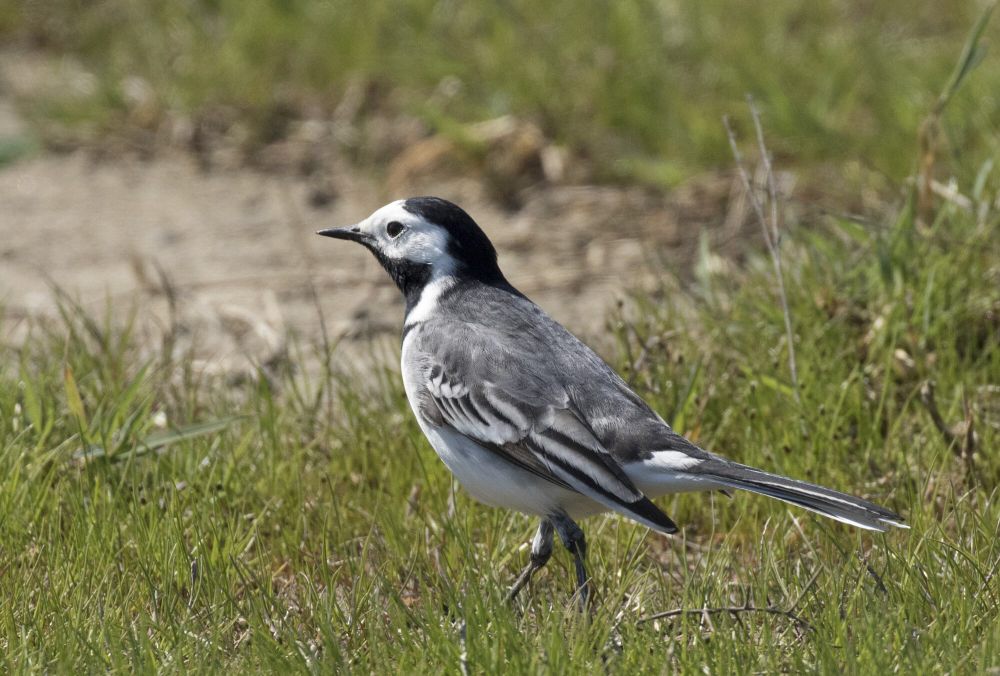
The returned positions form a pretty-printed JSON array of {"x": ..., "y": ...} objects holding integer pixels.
[
  {"x": 541, "y": 550},
  {"x": 572, "y": 536}
]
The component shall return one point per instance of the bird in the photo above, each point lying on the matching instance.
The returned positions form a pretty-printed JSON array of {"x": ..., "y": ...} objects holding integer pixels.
[{"x": 524, "y": 414}]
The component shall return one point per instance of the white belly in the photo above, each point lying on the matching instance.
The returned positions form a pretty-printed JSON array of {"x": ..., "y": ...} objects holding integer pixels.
[{"x": 494, "y": 481}]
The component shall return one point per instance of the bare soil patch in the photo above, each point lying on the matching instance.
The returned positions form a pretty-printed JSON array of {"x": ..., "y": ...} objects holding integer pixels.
[{"x": 237, "y": 249}]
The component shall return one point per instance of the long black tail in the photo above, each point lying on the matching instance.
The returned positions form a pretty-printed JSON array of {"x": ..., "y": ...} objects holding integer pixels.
[{"x": 834, "y": 504}]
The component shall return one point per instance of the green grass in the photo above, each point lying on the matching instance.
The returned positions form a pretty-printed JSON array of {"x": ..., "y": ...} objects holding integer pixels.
[
  {"x": 636, "y": 89},
  {"x": 285, "y": 538}
]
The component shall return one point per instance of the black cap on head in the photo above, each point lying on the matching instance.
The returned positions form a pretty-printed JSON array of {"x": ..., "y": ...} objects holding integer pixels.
[{"x": 467, "y": 243}]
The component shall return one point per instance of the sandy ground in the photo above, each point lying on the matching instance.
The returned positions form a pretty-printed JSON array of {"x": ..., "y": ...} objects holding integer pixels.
[{"x": 238, "y": 251}]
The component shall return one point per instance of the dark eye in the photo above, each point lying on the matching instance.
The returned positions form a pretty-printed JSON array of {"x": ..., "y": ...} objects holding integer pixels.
[{"x": 393, "y": 229}]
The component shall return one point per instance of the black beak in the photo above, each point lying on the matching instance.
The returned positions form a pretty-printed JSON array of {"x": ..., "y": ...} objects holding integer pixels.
[{"x": 351, "y": 232}]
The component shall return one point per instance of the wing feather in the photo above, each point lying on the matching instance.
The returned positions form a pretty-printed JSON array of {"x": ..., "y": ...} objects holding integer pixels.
[{"x": 548, "y": 440}]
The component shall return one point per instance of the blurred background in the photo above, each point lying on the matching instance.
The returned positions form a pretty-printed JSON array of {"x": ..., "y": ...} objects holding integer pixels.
[{"x": 180, "y": 153}]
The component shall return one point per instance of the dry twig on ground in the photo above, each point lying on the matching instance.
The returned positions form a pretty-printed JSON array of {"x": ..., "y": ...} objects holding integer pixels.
[
  {"x": 960, "y": 437},
  {"x": 730, "y": 610}
]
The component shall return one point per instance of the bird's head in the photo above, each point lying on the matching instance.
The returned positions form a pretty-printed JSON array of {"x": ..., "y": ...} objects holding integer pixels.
[{"x": 423, "y": 238}]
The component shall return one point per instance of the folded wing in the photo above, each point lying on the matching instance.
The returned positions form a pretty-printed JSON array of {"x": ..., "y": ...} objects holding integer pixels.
[{"x": 535, "y": 427}]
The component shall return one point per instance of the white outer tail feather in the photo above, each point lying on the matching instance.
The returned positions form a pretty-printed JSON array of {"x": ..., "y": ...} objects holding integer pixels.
[{"x": 674, "y": 472}]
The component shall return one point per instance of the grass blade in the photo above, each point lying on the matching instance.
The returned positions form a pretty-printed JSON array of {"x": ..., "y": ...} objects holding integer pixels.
[
  {"x": 73, "y": 399},
  {"x": 160, "y": 439}
]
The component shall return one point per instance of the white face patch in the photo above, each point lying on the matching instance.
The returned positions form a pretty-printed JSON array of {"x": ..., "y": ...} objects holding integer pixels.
[{"x": 419, "y": 241}]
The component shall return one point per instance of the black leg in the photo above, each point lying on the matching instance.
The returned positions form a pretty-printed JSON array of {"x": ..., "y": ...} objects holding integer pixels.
[
  {"x": 572, "y": 536},
  {"x": 541, "y": 550}
]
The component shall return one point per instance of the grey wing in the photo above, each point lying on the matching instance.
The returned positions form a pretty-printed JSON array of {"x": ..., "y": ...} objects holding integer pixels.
[{"x": 530, "y": 422}]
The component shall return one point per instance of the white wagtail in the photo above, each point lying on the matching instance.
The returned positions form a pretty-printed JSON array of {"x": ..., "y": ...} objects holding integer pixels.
[{"x": 524, "y": 414}]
